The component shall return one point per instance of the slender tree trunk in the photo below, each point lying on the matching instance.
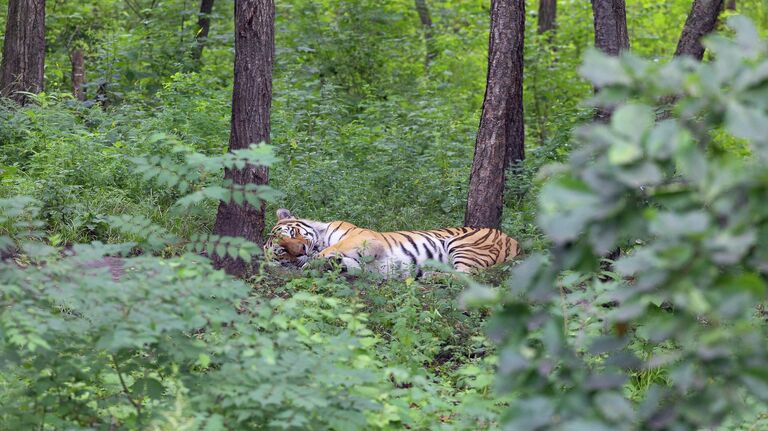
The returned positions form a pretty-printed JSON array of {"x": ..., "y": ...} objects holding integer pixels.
[
  {"x": 78, "y": 74},
  {"x": 23, "y": 50},
  {"x": 500, "y": 137},
  {"x": 251, "y": 100},
  {"x": 426, "y": 24},
  {"x": 547, "y": 15},
  {"x": 701, "y": 21},
  {"x": 611, "y": 37},
  {"x": 730, "y": 4},
  {"x": 203, "y": 27}
]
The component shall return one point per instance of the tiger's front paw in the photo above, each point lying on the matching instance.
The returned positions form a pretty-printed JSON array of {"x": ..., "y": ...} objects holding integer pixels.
[
  {"x": 324, "y": 263},
  {"x": 334, "y": 261}
]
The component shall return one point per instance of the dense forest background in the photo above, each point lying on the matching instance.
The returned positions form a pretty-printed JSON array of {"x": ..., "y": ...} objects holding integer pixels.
[
  {"x": 375, "y": 111},
  {"x": 360, "y": 122}
]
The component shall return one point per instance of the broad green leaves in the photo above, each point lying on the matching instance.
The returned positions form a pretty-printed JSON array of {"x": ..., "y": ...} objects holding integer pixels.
[
  {"x": 604, "y": 70},
  {"x": 670, "y": 340}
]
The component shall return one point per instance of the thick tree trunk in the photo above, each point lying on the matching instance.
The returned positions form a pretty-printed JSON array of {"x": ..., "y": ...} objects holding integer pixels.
[
  {"x": 203, "y": 27},
  {"x": 611, "y": 34},
  {"x": 547, "y": 15},
  {"x": 78, "y": 74},
  {"x": 500, "y": 137},
  {"x": 426, "y": 23},
  {"x": 701, "y": 21},
  {"x": 23, "y": 50},
  {"x": 251, "y": 100}
]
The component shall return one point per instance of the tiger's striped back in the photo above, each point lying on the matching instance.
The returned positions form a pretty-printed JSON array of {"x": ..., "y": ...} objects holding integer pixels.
[
  {"x": 464, "y": 249},
  {"x": 297, "y": 240},
  {"x": 479, "y": 247}
]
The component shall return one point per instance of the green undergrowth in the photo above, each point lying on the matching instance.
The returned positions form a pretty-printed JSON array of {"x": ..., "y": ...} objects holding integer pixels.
[
  {"x": 422, "y": 330},
  {"x": 146, "y": 343},
  {"x": 77, "y": 161}
]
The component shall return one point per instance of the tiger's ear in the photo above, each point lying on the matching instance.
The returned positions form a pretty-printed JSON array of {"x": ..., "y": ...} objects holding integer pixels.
[{"x": 283, "y": 213}]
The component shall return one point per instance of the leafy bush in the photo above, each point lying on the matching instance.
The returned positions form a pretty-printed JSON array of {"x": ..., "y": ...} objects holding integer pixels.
[
  {"x": 92, "y": 341},
  {"x": 676, "y": 339},
  {"x": 95, "y": 336}
]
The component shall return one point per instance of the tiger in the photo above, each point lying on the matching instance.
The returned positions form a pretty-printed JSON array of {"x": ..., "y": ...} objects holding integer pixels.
[{"x": 295, "y": 241}]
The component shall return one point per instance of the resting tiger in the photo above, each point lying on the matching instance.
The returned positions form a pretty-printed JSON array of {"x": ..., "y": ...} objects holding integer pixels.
[{"x": 295, "y": 241}]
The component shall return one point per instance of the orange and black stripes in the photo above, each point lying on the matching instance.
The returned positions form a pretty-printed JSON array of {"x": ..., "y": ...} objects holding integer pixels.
[{"x": 463, "y": 248}]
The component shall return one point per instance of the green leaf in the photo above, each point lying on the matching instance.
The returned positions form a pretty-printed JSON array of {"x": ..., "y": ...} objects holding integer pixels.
[
  {"x": 664, "y": 138},
  {"x": 585, "y": 425},
  {"x": 633, "y": 120},
  {"x": 203, "y": 360},
  {"x": 214, "y": 422},
  {"x": 238, "y": 196},
  {"x": 148, "y": 387},
  {"x": 615, "y": 407},
  {"x": 221, "y": 249},
  {"x": 624, "y": 152},
  {"x": 680, "y": 224},
  {"x": 746, "y": 122},
  {"x": 692, "y": 163},
  {"x": 477, "y": 295},
  {"x": 567, "y": 206},
  {"x": 747, "y": 282},
  {"x": 747, "y": 36},
  {"x": 603, "y": 70},
  {"x": 644, "y": 174},
  {"x": 243, "y": 254}
]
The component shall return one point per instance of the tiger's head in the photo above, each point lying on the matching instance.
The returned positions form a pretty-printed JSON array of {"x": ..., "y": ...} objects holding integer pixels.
[{"x": 292, "y": 242}]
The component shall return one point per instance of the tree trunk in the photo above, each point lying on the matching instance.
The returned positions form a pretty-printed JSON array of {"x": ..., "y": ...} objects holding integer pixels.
[
  {"x": 203, "y": 27},
  {"x": 611, "y": 37},
  {"x": 23, "y": 50},
  {"x": 426, "y": 23},
  {"x": 251, "y": 100},
  {"x": 547, "y": 15},
  {"x": 701, "y": 21},
  {"x": 611, "y": 34},
  {"x": 500, "y": 136},
  {"x": 730, "y": 4},
  {"x": 78, "y": 74}
]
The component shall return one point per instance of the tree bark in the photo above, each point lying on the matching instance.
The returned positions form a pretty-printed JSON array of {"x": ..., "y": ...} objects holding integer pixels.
[
  {"x": 500, "y": 137},
  {"x": 251, "y": 100},
  {"x": 610, "y": 19},
  {"x": 547, "y": 15},
  {"x": 78, "y": 74},
  {"x": 701, "y": 21},
  {"x": 730, "y": 4},
  {"x": 203, "y": 27},
  {"x": 611, "y": 35},
  {"x": 23, "y": 50}
]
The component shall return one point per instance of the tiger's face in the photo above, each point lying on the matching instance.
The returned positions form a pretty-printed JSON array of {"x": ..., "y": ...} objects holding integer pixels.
[{"x": 291, "y": 242}]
